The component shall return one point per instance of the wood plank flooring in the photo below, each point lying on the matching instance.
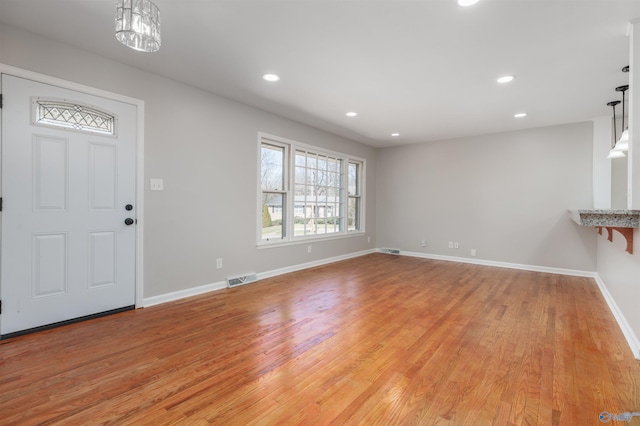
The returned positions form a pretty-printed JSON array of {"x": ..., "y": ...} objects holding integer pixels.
[{"x": 376, "y": 340}]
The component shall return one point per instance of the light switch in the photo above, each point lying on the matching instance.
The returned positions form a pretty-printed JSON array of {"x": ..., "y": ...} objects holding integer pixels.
[{"x": 156, "y": 184}]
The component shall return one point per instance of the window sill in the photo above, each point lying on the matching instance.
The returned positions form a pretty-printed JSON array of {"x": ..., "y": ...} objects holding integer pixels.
[{"x": 309, "y": 240}]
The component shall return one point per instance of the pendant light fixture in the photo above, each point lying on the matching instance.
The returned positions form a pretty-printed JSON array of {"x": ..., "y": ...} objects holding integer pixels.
[
  {"x": 138, "y": 25},
  {"x": 613, "y": 153},
  {"x": 622, "y": 144}
]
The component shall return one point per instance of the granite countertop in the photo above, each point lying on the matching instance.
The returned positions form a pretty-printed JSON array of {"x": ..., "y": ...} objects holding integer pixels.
[{"x": 602, "y": 217}]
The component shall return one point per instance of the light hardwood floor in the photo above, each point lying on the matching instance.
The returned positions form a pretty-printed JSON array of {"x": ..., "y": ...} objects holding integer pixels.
[{"x": 376, "y": 340}]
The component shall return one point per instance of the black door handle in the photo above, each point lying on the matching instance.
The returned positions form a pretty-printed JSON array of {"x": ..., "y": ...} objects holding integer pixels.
[{"x": 128, "y": 221}]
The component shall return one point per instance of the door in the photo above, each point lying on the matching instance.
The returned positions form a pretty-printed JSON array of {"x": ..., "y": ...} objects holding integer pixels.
[{"x": 68, "y": 187}]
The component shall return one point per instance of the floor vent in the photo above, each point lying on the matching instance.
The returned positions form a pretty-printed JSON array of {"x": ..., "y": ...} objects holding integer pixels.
[
  {"x": 245, "y": 279},
  {"x": 390, "y": 251}
]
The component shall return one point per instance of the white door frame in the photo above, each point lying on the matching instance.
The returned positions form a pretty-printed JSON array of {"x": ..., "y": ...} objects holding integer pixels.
[{"x": 139, "y": 104}]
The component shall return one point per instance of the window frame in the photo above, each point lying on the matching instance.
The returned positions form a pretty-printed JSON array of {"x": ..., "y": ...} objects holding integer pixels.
[{"x": 291, "y": 147}]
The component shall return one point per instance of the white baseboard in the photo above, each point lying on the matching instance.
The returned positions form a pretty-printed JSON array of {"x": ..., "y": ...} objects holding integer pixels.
[
  {"x": 522, "y": 267},
  {"x": 195, "y": 291},
  {"x": 276, "y": 272},
  {"x": 629, "y": 335},
  {"x": 632, "y": 339},
  {"x": 181, "y": 294}
]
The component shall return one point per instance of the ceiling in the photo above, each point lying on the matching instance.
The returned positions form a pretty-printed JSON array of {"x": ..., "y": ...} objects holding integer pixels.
[{"x": 426, "y": 69}]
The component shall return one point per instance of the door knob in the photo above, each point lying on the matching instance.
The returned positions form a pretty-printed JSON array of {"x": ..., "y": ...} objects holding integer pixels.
[
  {"x": 128, "y": 207},
  {"x": 128, "y": 221}
]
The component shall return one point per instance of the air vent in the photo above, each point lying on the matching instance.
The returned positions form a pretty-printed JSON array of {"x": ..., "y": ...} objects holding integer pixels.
[
  {"x": 390, "y": 251},
  {"x": 244, "y": 279}
]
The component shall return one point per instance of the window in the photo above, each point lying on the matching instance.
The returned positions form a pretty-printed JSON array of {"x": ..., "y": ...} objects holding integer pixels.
[
  {"x": 317, "y": 186},
  {"x": 272, "y": 185},
  {"x": 306, "y": 192},
  {"x": 354, "y": 192}
]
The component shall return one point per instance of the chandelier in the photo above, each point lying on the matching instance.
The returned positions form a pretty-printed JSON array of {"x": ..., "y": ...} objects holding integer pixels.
[{"x": 138, "y": 24}]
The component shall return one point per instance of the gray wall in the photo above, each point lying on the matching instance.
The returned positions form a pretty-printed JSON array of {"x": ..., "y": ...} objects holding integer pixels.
[
  {"x": 505, "y": 195},
  {"x": 205, "y": 148},
  {"x": 620, "y": 271}
]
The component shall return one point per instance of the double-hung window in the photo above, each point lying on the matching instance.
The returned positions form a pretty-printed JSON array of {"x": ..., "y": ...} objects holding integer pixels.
[
  {"x": 306, "y": 192},
  {"x": 354, "y": 191}
]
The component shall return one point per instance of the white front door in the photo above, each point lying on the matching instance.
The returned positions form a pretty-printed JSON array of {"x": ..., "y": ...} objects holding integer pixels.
[{"x": 68, "y": 185}]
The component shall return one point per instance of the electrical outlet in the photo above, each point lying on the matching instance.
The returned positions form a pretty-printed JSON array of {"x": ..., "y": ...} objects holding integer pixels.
[
  {"x": 473, "y": 252},
  {"x": 218, "y": 263},
  {"x": 368, "y": 239},
  {"x": 308, "y": 249},
  {"x": 156, "y": 184},
  {"x": 456, "y": 245},
  {"x": 423, "y": 243},
  {"x": 450, "y": 244}
]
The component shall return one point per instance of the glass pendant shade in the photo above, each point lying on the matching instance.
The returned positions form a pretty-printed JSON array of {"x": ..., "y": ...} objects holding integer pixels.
[
  {"x": 623, "y": 142},
  {"x": 615, "y": 154},
  {"x": 138, "y": 24}
]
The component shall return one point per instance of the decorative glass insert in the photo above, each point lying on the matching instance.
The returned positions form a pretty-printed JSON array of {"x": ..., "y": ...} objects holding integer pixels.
[{"x": 60, "y": 113}]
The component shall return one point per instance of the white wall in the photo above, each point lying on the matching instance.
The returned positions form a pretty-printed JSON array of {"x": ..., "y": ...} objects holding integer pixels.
[
  {"x": 602, "y": 140},
  {"x": 505, "y": 195},
  {"x": 205, "y": 148},
  {"x": 610, "y": 183},
  {"x": 633, "y": 198},
  {"x": 620, "y": 272}
]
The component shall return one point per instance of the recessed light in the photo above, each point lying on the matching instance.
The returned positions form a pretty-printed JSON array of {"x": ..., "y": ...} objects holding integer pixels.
[
  {"x": 520, "y": 115},
  {"x": 506, "y": 78},
  {"x": 271, "y": 77},
  {"x": 465, "y": 3},
  {"x": 395, "y": 135},
  {"x": 351, "y": 114}
]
